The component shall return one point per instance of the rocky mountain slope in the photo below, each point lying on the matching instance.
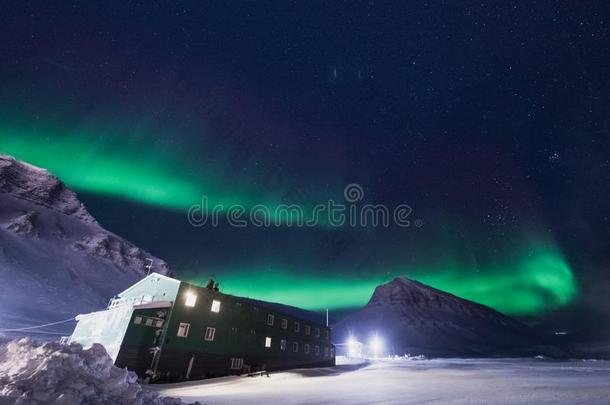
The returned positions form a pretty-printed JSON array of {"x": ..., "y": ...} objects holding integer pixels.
[
  {"x": 55, "y": 259},
  {"x": 413, "y": 318}
]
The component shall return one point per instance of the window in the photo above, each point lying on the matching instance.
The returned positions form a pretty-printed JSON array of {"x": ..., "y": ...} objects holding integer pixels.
[
  {"x": 317, "y": 332},
  {"x": 191, "y": 299},
  {"x": 325, "y": 333},
  {"x": 325, "y": 351},
  {"x": 209, "y": 333},
  {"x": 295, "y": 346},
  {"x": 297, "y": 326},
  {"x": 307, "y": 330},
  {"x": 267, "y": 341},
  {"x": 270, "y": 319},
  {"x": 159, "y": 323},
  {"x": 215, "y": 306},
  {"x": 316, "y": 350},
  {"x": 137, "y": 320},
  {"x": 252, "y": 332},
  {"x": 238, "y": 304},
  {"x": 306, "y": 348},
  {"x": 236, "y": 363},
  {"x": 234, "y": 329},
  {"x": 284, "y": 323},
  {"x": 148, "y": 322},
  {"x": 283, "y": 344},
  {"x": 183, "y": 329}
]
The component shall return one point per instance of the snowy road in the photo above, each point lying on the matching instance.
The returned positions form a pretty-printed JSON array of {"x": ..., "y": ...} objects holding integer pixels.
[{"x": 449, "y": 381}]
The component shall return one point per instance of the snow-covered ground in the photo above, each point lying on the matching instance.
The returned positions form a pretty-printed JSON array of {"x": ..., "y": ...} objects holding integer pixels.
[{"x": 446, "y": 381}]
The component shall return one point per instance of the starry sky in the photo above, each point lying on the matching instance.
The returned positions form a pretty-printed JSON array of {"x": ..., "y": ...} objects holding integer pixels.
[{"x": 490, "y": 119}]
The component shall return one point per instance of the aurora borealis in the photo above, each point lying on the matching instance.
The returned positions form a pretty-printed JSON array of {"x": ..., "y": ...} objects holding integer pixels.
[
  {"x": 502, "y": 153},
  {"x": 526, "y": 285}
]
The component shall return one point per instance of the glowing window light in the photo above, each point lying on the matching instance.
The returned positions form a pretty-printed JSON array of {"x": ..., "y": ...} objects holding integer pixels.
[
  {"x": 215, "y": 306},
  {"x": 267, "y": 341},
  {"x": 191, "y": 299}
]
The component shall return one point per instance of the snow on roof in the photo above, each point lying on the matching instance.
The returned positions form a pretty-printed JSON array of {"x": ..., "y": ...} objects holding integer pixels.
[{"x": 147, "y": 278}]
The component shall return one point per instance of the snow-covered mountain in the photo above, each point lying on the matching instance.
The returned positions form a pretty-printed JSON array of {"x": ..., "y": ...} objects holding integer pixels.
[
  {"x": 56, "y": 261},
  {"x": 413, "y": 318}
]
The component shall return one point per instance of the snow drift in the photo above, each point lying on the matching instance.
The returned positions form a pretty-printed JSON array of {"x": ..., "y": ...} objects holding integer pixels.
[
  {"x": 33, "y": 373},
  {"x": 56, "y": 261}
]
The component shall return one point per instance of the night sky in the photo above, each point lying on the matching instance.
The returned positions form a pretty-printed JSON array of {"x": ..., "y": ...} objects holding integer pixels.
[{"x": 490, "y": 119}]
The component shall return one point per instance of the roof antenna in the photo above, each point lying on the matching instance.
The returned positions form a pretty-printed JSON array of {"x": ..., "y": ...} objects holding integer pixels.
[{"x": 326, "y": 316}]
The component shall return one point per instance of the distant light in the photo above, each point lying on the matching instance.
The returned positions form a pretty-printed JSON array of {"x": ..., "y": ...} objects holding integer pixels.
[
  {"x": 376, "y": 345},
  {"x": 191, "y": 299},
  {"x": 267, "y": 341},
  {"x": 352, "y": 347},
  {"x": 215, "y": 306}
]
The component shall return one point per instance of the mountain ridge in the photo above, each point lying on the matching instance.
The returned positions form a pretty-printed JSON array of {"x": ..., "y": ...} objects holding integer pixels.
[
  {"x": 418, "y": 319},
  {"x": 58, "y": 260}
]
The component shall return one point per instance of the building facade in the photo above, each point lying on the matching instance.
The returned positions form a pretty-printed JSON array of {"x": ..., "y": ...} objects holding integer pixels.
[{"x": 170, "y": 330}]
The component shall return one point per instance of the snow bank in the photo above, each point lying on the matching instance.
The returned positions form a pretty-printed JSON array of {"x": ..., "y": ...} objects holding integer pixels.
[{"x": 50, "y": 373}]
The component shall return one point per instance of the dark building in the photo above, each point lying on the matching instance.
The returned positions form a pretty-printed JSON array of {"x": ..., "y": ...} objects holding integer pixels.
[{"x": 170, "y": 330}]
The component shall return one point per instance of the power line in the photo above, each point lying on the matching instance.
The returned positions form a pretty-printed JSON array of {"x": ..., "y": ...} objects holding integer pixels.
[
  {"x": 37, "y": 326},
  {"x": 28, "y": 332}
]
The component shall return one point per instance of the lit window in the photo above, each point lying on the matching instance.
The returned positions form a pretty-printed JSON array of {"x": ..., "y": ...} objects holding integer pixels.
[
  {"x": 316, "y": 350},
  {"x": 215, "y": 306},
  {"x": 183, "y": 329},
  {"x": 295, "y": 346},
  {"x": 137, "y": 320},
  {"x": 191, "y": 299},
  {"x": 297, "y": 327},
  {"x": 284, "y": 323},
  {"x": 318, "y": 332},
  {"x": 306, "y": 348},
  {"x": 270, "y": 319},
  {"x": 307, "y": 330},
  {"x": 234, "y": 329},
  {"x": 148, "y": 322},
  {"x": 283, "y": 344},
  {"x": 159, "y": 323},
  {"x": 209, "y": 333},
  {"x": 267, "y": 341}
]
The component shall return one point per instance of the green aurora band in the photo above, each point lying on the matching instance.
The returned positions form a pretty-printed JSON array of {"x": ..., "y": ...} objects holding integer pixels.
[
  {"x": 102, "y": 164},
  {"x": 529, "y": 286},
  {"x": 96, "y": 160}
]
